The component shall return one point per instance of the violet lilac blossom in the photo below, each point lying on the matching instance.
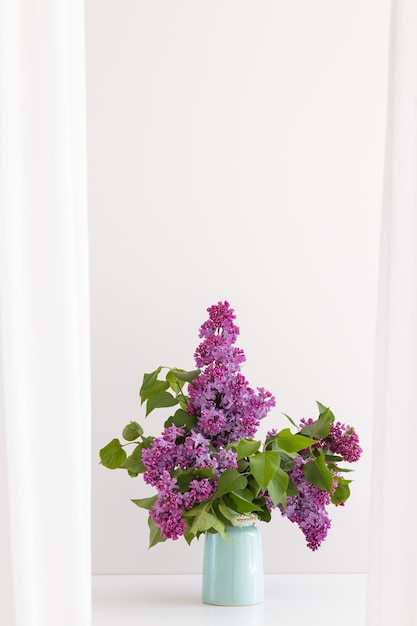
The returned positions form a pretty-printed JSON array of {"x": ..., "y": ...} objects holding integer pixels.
[
  {"x": 227, "y": 410},
  {"x": 308, "y": 510}
]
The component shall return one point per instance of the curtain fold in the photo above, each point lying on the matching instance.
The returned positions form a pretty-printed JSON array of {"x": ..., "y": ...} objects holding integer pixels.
[
  {"x": 392, "y": 588},
  {"x": 44, "y": 316}
]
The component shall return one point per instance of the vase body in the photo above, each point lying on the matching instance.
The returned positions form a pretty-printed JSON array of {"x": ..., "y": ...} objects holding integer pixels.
[{"x": 233, "y": 570}]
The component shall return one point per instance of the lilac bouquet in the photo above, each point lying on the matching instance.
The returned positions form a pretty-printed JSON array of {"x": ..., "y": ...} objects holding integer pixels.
[{"x": 206, "y": 465}]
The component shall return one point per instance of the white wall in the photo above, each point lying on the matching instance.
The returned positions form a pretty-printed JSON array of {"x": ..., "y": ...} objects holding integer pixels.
[{"x": 235, "y": 152}]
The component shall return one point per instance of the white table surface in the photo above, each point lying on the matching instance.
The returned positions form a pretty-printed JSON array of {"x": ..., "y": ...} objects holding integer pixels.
[{"x": 293, "y": 599}]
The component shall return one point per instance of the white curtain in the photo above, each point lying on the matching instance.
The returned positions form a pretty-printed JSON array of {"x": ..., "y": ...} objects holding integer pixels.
[
  {"x": 392, "y": 596},
  {"x": 44, "y": 317}
]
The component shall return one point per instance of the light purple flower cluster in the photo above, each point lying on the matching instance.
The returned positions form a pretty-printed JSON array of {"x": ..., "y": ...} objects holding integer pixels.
[
  {"x": 227, "y": 410},
  {"x": 167, "y": 512},
  {"x": 308, "y": 510},
  {"x": 174, "y": 450},
  {"x": 342, "y": 440},
  {"x": 226, "y": 407}
]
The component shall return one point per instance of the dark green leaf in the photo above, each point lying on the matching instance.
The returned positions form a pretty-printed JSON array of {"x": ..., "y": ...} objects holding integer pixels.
[
  {"x": 264, "y": 465},
  {"x": 263, "y": 515},
  {"x": 292, "y": 489},
  {"x": 342, "y": 492},
  {"x": 293, "y": 443},
  {"x": 332, "y": 458},
  {"x": 318, "y": 475},
  {"x": 184, "y": 480},
  {"x": 204, "y": 472},
  {"x": 132, "y": 431},
  {"x": 182, "y": 419},
  {"x": 186, "y": 376},
  {"x": 254, "y": 486},
  {"x": 159, "y": 400},
  {"x": 146, "y": 503},
  {"x": 230, "y": 480},
  {"x": 287, "y": 463},
  {"x": 154, "y": 533},
  {"x": 243, "y": 465},
  {"x": 188, "y": 535},
  {"x": 112, "y": 455}
]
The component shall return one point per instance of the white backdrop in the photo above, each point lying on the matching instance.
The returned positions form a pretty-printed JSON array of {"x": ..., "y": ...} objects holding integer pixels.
[{"x": 235, "y": 152}]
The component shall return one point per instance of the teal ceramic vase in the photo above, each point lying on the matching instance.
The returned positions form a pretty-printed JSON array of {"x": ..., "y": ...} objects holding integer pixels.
[{"x": 233, "y": 570}]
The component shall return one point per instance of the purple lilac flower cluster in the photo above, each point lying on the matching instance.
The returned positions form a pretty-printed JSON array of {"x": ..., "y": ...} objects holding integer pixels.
[
  {"x": 341, "y": 440},
  {"x": 172, "y": 450},
  {"x": 308, "y": 510},
  {"x": 226, "y": 407}
]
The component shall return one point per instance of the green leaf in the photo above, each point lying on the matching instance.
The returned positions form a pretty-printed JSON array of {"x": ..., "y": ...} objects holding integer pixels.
[
  {"x": 204, "y": 521},
  {"x": 204, "y": 472},
  {"x": 230, "y": 480},
  {"x": 293, "y": 443},
  {"x": 318, "y": 475},
  {"x": 186, "y": 376},
  {"x": 158, "y": 387},
  {"x": 188, "y": 535},
  {"x": 264, "y": 465},
  {"x": 133, "y": 463},
  {"x": 228, "y": 514},
  {"x": 146, "y": 503},
  {"x": 175, "y": 383},
  {"x": 159, "y": 400},
  {"x": 320, "y": 428},
  {"x": 242, "y": 504},
  {"x": 132, "y": 431},
  {"x": 154, "y": 533},
  {"x": 181, "y": 419},
  {"x": 263, "y": 515},
  {"x": 277, "y": 487},
  {"x": 183, "y": 401},
  {"x": 287, "y": 463},
  {"x": 247, "y": 447},
  {"x": 184, "y": 480},
  {"x": 112, "y": 455},
  {"x": 322, "y": 408},
  {"x": 147, "y": 383},
  {"x": 292, "y": 489},
  {"x": 333, "y": 458},
  {"x": 341, "y": 493},
  {"x": 254, "y": 486},
  {"x": 290, "y": 420}
]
